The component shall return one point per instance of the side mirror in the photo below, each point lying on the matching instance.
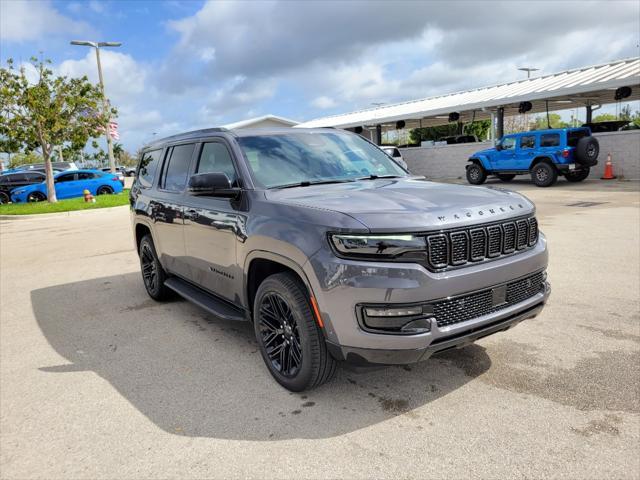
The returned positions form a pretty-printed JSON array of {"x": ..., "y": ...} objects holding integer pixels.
[
  {"x": 499, "y": 147},
  {"x": 212, "y": 185}
]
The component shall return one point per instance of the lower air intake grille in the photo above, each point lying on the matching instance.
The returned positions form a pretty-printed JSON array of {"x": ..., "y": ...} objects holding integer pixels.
[{"x": 474, "y": 305}]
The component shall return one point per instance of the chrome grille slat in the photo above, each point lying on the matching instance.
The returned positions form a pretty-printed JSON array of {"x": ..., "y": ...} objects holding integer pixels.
[
  {"x": 477, "y": 304},
  {"x": 475, "y": 244}
]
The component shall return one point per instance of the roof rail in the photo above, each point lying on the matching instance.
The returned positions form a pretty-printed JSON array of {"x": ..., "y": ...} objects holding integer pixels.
[{"x": 187, "y": 135}]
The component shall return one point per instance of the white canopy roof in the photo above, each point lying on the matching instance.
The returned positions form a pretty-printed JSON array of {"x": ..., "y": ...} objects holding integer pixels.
[{"x": 569, "y": 89}]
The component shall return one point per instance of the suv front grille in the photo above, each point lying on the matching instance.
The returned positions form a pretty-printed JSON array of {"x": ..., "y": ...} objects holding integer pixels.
[
  {"x": 474, "y": 305},
  {"x": 459, "y": 247}
]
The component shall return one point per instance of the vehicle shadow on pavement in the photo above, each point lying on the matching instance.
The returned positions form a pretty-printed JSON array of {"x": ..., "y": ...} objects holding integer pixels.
[{"x": 192, "y": 374}]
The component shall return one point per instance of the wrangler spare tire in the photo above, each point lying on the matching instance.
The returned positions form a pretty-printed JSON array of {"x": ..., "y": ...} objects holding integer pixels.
[{"x": 587, "y": 150}]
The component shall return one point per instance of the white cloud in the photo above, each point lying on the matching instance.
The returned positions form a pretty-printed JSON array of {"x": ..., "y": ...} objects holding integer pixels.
[
  {"x": 124, "y": 78},
  {"x": 22, "y": 20},
  {"x": 323, "y": 102}
]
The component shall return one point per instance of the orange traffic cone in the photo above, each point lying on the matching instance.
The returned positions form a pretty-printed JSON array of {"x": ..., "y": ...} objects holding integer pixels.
[{"x": 608, "y": 169}]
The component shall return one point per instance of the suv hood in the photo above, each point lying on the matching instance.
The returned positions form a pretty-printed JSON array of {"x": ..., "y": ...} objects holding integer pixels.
[{"x": 408, "y": 204}]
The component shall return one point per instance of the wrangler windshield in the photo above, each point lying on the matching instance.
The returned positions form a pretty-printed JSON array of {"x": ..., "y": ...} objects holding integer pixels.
[{"x": 314, "y": 157}]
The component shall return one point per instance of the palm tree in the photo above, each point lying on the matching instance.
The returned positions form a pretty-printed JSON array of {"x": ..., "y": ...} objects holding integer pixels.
[{"x": 117, "y": 150}]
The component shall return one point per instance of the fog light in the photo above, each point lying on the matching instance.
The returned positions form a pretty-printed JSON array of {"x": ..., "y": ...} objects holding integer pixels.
[
  {"x": 422, "y": 325},
  {"x": 393, "y": 312}
]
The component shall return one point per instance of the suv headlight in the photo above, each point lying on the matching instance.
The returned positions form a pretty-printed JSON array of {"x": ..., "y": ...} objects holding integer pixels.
[{"x": 385, "y": 246}]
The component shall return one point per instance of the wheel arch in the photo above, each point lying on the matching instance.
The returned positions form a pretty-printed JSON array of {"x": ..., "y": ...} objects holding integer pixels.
[
  {"x": 142, "y": 229},
  {"x": 542, "y": 159},
  {"x": 479, "y": 160},
  {"x": 261, "y": 264}
]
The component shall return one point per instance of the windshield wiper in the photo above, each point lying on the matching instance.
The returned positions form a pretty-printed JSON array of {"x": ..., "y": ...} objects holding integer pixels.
[
  {"x": 307, "y": 183},
  {"x": 373, "y": 176}
]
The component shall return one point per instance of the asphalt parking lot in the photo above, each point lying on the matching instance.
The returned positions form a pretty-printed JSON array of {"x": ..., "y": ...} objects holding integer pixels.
[{"x": 99, "y": 381}]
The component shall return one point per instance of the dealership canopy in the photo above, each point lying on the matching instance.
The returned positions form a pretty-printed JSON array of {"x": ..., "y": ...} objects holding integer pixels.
[{"x": 582, "y": 87}]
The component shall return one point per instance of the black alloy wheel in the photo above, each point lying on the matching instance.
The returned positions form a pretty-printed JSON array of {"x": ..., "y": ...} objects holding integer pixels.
[
  {"x": 36, "y": 197},
  {"x": 105, "y": 190},
  {"x": 476, "y": 175},
  {"x": 291, "y": 340},
  {"x": 4, "y": 198},
  {"x": 153, "y": 275},
  {"x": 280, "y": 335}
]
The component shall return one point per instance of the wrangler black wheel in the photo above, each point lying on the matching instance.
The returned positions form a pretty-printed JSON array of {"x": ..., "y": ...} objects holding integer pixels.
[
  {"x": 153, "y": 275},
  {"x": 476, "y": 175},
  {"x": 291, "y": 342},
  {"x": 544, "y": 174}
]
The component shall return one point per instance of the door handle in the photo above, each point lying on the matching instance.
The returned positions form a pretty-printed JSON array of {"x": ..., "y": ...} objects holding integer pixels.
[{"x": 191, "y": 214}]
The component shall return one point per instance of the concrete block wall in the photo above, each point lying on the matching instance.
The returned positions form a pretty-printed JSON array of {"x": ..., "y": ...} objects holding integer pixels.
[{"x": 449, "y": 161}]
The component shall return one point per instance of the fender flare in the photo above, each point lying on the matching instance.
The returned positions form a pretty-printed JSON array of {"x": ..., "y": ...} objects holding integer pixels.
[
  {"x": 541, "y": 158},
  {"x": 274, "y": 257},
  {"x": 484, "y": 163}
]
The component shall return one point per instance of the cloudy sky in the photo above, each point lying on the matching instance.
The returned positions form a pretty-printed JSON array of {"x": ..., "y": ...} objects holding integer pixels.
[{"x": 194, "y": 64}]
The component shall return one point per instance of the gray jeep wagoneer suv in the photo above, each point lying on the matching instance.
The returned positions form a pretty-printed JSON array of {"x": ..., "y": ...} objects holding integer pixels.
[{"x": 332, "y": 250}]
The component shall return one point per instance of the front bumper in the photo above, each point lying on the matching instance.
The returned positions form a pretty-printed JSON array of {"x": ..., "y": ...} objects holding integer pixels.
[
  {"x": 342, "y": 286},
  {"x": 444, "y": 339}
]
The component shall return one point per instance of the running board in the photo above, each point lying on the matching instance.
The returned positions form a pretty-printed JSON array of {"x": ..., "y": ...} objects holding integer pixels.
[{"x": 204, "y": 300}]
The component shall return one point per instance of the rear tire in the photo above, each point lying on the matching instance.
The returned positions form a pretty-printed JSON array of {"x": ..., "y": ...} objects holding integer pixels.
[
  {"x": 476, "y": 175},
  {"x": 153, "y": 275},
  {"x": 104, "y": 190},
  {"x": 506, "y": 177},
  {"x": 578, "y": 176},
  {"x": 291, "y": 342},
  {"x": 544, "y": 175}
]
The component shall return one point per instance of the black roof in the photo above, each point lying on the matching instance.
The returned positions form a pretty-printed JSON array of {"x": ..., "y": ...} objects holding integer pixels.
[{"x": 241, "y": 132}]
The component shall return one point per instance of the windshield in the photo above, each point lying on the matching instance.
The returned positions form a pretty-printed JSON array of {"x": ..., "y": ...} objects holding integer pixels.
[{"x": 314, "y": 157}]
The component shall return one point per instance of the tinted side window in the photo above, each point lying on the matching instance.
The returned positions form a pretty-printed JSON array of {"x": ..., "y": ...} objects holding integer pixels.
[
  {"x": 216, "y": 158},
  {"x": 508, "y": 143},
  {"x": 14, "y": 177},
  {"x": 34, "y": 177},
  {"x": 148, "y": 167},
  {"x": 175, "y": 173},
  {"x": 69, "y": 177},
  {"x": 86, "y": 176},
  {"x": 550, "y": 140},
  {"x": 528, "y": 142}
]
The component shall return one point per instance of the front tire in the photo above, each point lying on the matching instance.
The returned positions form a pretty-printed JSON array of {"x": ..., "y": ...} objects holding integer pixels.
[
  {"x": 153, "y": 275},
  {"x": 291, "y": 342},
  {"x": 544, "y": 175},
  {"x": 577, "y": 176},
  {"x": 4, "y": 198},
  {"x": 476, "y": 175},
  {"x": 36, "y": 197}
]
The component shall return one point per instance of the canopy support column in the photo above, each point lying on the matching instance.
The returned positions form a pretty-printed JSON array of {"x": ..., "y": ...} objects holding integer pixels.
[{"x": 500, "y": 123}]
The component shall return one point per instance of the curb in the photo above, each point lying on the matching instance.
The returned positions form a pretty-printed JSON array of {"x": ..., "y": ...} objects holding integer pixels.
[{"x": 60, "y": 214}]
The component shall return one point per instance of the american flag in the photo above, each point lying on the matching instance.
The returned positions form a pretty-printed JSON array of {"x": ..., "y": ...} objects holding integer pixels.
[{"x": 113, "y": 130}]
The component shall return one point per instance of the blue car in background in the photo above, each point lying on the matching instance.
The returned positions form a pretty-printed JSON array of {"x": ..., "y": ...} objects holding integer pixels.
[{"x": 70, "y": 184}]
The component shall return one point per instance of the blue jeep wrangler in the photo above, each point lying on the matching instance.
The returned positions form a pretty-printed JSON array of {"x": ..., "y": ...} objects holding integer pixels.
[{"x": 544, "y": 154}]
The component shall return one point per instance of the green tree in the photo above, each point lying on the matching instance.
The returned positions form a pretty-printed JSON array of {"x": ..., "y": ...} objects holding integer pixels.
[
  {"x": 555, "y": 121},
  {"x": 604, "y": 117},
  {"x": 24, "y": 159},
  {"x": 478, "y": 128},
  {"x": 52, "y": 112}
]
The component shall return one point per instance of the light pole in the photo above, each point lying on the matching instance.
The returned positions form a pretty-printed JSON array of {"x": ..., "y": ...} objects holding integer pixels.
[
  {"x": 528, "y": 70},
  {"x": 97, "y": 45}
]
